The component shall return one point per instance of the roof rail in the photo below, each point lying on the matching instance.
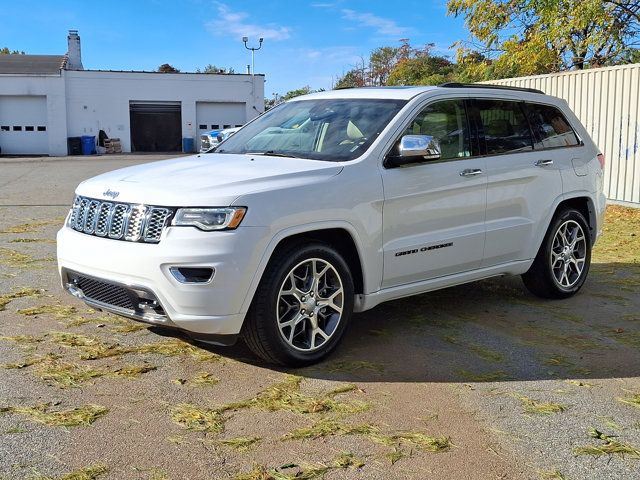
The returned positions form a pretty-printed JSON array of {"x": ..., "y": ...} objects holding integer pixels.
[{"x": 489, "y": 85}]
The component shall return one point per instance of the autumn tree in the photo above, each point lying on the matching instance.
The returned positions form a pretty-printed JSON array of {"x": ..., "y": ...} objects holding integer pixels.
[
  {"x": 418, "y": 66},
  {"x": 527, "y": 37},
  {"x": 215, "y": 69}
]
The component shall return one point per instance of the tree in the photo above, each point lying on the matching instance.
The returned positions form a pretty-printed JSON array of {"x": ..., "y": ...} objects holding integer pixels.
[
  {"x": 166, "y": 68},
  {"x": 381, "y": 62},
  {"x": 353, "y": 78},
  {"x": 215, "y": 69},
  {"x": 526, "y": 37},
  {"x": 6, "y": 51},
  {"x": 417, "y": 66}
]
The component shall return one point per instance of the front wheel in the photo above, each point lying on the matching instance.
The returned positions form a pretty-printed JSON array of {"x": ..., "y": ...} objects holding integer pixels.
[
  {"x": 302, "y": 306},
  {"x": 562, "y": 264}
]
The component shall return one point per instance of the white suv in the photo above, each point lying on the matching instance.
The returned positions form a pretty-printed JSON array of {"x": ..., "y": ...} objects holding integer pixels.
[{"x": 335, "y": 202}]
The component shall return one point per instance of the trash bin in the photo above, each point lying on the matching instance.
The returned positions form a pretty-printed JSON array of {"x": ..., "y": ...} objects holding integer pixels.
[
  {"x": 188, "y": 145},
  {"x": 74, "y": 146},
  {"x": 88, "y": 144}
]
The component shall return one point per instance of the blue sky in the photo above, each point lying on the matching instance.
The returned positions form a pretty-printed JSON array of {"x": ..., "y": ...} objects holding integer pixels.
[{"x": 307, "y": 42}]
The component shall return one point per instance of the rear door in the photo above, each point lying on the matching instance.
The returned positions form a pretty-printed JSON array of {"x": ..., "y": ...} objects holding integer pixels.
[
  {"x": 434, "y": 211},
  {"x": 522, "y": 182}
]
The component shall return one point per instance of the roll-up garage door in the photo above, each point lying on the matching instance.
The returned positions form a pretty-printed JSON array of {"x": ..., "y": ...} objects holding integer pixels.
[
  {"x": 23, "y": 125},
  {"x": 155, "y": 126},
  {"x": 219, "y": 115}
]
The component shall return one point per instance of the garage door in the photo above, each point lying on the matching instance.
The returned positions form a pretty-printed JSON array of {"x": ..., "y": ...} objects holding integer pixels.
[
  {"x": 219, "y": 115},
  {"x": 155, "y": 126},
  {"x": 23, "y": 125}
]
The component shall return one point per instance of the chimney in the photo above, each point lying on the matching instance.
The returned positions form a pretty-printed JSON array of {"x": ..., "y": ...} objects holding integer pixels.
[{"x": 74, "y": 57}]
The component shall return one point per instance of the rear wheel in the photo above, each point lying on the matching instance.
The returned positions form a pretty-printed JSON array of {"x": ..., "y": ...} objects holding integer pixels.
[
  {"x": 562, "y": 263},
  {"x": 302, "y": 306}
]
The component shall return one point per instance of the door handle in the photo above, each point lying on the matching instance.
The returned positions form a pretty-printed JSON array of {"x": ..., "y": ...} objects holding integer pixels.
[
  {"x": 544, "y": 163},
  {"x": 470, "y": 172}
]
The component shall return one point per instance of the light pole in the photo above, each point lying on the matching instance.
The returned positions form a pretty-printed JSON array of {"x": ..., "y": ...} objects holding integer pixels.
[{"x": 253, "y": 52}]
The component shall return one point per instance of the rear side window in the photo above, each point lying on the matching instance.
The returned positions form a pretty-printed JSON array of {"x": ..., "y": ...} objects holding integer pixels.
[
  {"x": 550, "y": 127},
  {"x": 504, "y": 126},
  {"x": 447, "y": 122}
]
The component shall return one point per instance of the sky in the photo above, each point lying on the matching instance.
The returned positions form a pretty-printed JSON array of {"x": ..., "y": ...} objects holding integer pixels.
[{"x": 306, "y": 42}]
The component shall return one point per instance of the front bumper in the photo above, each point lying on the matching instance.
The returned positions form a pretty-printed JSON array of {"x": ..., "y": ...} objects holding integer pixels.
[{"x": 203, "y": 310}]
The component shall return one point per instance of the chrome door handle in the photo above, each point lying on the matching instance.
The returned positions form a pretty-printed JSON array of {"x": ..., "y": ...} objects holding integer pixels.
[
  {"x": 470, "y": 172},
  {"x": 544, "y": 163}
]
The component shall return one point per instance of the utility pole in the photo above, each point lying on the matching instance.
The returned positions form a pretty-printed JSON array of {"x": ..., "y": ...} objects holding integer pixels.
[{"x": 253, "y": 52}]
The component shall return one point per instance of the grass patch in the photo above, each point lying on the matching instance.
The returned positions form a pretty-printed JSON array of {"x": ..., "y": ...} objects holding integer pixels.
[
  {"x": 633, "y": 400},
  {"x": 553, "y": 475},
  {"x": 241, "y": 444},
  {"x": 482, "y": 377},
  {"x": 69, "y": 375},
  {"x": 201, "y": 379},
  {"x": 536, "y": 407},
  {"x": 56, "y": 311},
  {"x": 618, "y": 243},
  {"x": 482, "y": 352},
  {"x": 578, "y": 383},
  {"x": 293, "y": 471},
  {"x": 350, "y": 366},
  {"x": 197, "y": 419},
  {"x": 14, "y": 259},
  {"x": 86, "y": 473},
  {"x": 33, "y": 226},
  {"x": 608, "y": 446},
  {"x": 558, "y": 361},
  {"x": 74, "y": 417},
  {"x": 32, "y": 240},
  {"x": 115, "y": 324},
  {"x": 329, "y": 427},
  {"x": 6, "y": 298},
  {"x": 286, "y": 395},
  {"x": 21, "y": 339},
  {"x": 177, "y": 347}
]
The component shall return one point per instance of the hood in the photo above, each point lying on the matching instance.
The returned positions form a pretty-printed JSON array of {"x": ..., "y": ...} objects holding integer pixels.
[{"x": 204, "y": 180}]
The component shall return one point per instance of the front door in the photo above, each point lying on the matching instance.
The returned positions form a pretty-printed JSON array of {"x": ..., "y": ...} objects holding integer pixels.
[{"x": 434, "y": 211}]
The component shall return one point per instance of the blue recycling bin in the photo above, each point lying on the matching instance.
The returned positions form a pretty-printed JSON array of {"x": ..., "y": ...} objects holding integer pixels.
[
  {"x": 88, "y": 144},
  {"x": 188, "y": 145}
]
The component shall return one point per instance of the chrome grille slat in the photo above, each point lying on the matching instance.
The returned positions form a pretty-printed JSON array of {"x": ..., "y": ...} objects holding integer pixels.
[{"x": 119, "y": 221}]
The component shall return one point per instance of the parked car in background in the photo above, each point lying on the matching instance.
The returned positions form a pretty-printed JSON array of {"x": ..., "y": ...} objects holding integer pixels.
[
  {"x": 334, "y": 202},
  {"x": 213, "y": 138}
]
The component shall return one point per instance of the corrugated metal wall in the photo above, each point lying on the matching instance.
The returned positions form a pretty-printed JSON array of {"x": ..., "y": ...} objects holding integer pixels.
[{"x": 606, "y": 102}]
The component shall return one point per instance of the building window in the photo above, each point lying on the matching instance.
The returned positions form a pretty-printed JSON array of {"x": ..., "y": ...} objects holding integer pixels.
[
  {"x": 29, "y": 128},
  {"x": 227, "y": 126},
  {"x": 202, "y": 127},
  {"x": 4, "y": 128},
  {"x": 42, "y": 128},
  {"x": 215, "y": 127},
  {"x": 238, "y": 126},
  {"x": 17, "y": 128}
]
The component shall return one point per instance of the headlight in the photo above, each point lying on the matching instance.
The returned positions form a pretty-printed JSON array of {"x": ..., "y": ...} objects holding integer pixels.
[{"x": 210, "y": 218}]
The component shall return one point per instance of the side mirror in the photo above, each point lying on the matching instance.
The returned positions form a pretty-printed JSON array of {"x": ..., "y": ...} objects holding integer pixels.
[
  {"x": 415, "y": 149},
  {"x": 424, "y": 146}
]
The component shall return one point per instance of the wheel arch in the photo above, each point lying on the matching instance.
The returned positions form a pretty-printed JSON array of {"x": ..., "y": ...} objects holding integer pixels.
[
  {"x": 586, "y": 207},
  {"x": 340, "y": 235}
]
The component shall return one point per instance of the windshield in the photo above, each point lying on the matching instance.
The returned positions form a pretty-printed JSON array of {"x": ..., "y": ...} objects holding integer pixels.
[{"x": 330, "y": 129}]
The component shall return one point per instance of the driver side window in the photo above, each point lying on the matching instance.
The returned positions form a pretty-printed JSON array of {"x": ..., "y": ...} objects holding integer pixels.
[{"x": 446, "y": 121}]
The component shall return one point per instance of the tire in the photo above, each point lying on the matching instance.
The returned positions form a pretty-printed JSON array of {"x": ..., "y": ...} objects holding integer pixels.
[
  {"x": 292, "y": 320},
  {"x": 555, "y": 272}
]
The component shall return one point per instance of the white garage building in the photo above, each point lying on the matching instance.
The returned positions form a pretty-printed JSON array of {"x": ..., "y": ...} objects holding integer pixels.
[{"x": 45, "y": 99}]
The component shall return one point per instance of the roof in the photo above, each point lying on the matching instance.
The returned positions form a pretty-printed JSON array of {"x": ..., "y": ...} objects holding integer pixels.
[
  {"x": 395, "y": 93},
  {"x": 32, "y": 64}
]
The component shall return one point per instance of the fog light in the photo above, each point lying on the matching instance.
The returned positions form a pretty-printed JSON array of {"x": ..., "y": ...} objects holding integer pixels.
[{"x": 192, "y": 274}]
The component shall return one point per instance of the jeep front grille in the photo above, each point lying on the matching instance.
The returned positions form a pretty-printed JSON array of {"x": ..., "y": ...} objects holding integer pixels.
[{"x": 119, "y": 221}]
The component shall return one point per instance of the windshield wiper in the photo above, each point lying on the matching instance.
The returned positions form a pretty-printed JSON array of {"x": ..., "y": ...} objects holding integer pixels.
[{"x": 273, "y": 153}]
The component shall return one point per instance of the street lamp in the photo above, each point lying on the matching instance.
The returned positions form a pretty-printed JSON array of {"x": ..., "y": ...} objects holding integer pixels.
[{"x": 253, "y": 52}]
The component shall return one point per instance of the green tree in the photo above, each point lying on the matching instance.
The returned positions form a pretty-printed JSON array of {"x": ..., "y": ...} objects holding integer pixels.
[
  {"x": 6, "y": 51},
  {"x": 382, "y": 61},
  {"x": 417, "y": 66},
  {"x": 215, "y": 69},
  {"x": 166, "y": 68},
  {"x": 526, "y": 37}
]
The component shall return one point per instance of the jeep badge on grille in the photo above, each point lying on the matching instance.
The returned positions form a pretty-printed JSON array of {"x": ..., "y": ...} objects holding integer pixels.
[{"x": 111, "y": 194}]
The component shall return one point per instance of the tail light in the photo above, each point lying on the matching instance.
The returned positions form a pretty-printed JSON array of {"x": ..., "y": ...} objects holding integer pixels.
[{"x": 601, "y": 160}]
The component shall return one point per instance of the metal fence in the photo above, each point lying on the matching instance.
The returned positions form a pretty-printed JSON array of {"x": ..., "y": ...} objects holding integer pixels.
[{"x": 606, "y": 102}]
